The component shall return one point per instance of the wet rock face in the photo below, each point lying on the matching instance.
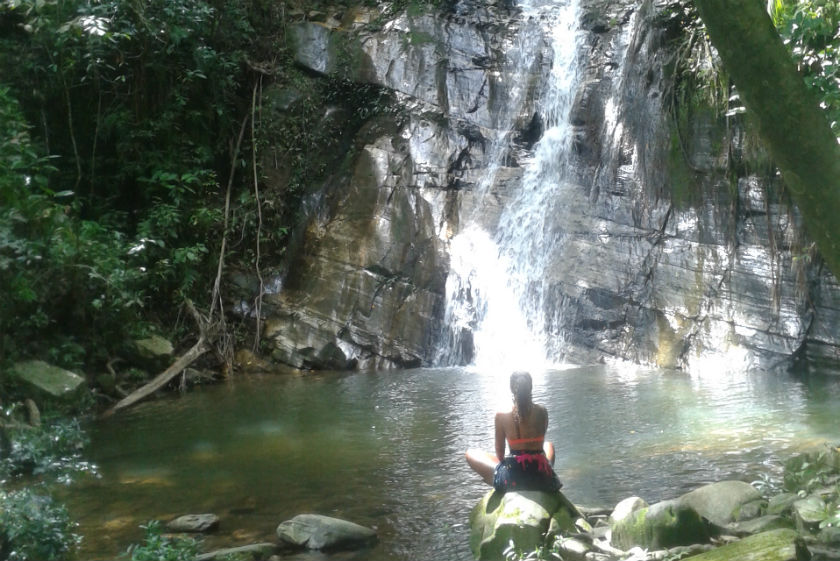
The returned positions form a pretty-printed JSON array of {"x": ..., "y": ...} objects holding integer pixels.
[{"x": 639, "y": 269}]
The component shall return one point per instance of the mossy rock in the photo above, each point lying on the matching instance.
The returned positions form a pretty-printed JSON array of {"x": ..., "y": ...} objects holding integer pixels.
[
  {"x": 721, "y": 502},
  {"x": 775, "y": 545},
  {"x": 528, "y": 519},
  {"x": 663, "y": 525},
  {"x": 46, "y": 382}
]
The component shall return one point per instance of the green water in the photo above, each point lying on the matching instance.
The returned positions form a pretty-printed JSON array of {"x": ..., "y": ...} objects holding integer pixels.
[{"x": 386, "y": 449}]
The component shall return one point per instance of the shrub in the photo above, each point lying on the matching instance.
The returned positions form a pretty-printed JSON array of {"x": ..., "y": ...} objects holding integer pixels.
[
  {"x": 54, "y": 448},
  {"x": 33, "y": 527},
  {"x": 158, "y": 547}
]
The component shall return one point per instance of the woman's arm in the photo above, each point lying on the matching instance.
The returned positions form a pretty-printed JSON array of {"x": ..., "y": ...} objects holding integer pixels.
[{"x": 500, "y": 437}]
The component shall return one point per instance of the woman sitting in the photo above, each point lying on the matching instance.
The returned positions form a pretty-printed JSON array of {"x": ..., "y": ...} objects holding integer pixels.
[{"x": 528, "y": 467}]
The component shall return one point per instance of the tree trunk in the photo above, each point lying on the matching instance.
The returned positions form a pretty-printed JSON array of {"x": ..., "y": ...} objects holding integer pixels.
[{"x": 790, "y": 120}]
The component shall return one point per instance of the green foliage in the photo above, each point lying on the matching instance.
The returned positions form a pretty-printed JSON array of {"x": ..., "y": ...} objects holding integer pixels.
[
  {"x": 807, "y": 472},
  {"x": 811, "y": 30},
  {"x": 33, "y": 527},
  {"x": 53, "y": 448},
  {"x": 116, "y": 119},
  {"x": 157, "y": 547}
]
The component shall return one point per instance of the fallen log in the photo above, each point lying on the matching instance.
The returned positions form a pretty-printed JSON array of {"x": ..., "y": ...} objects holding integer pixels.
[
  {"x": 207, "y": 334},
  {"x": 161, "y": 379}
]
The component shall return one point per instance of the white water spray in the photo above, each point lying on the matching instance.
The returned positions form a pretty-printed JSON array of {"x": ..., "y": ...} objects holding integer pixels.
[{"x": 497, "y": 287}]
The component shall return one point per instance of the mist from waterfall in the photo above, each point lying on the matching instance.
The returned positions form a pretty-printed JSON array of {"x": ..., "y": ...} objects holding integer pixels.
[{"x": 496, "y": 289}]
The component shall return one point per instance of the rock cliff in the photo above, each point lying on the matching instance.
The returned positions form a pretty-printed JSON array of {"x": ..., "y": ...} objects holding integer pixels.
[{"x": 668, "y": 248}]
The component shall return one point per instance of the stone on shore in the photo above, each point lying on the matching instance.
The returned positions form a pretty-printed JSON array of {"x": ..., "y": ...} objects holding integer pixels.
[
  {"x": 315, "y": 531},
  {"x": 48, "y": 381},
  {"x": 627, "y": 507},
  {"x": 527, "y": 518},
  {"x": 193, "y": 523},
  {"x": 663, "y": 525},
  {"x": 760, "y": 524},
  {"x": 153, "y": 352},
  {"x": 721, "y": 502},
  {"x": 776, "y": 545}
]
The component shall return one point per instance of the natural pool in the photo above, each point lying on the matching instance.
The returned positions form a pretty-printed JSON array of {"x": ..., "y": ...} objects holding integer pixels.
[{"x": 385, "y": 449}]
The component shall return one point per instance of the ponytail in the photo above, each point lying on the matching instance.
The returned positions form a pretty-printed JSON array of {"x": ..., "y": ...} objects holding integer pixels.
[{"x": 520, "y": 387}]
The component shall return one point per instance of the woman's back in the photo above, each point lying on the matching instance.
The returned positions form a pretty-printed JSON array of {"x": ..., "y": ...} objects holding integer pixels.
[{"x": 524, "y": 431}]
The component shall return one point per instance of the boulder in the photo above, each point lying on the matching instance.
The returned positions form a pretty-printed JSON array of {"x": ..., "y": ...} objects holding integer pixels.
[
  {"x": 776, "y": 545},
  {"x": 721, "y": 502},
  {"x": 526, "y": 518},
  {"x": 663, "y": 525},
  {"x": 193, "y": 523},
  {"x": 48, "y": 381},
  {"x": 315, "y": 531}
]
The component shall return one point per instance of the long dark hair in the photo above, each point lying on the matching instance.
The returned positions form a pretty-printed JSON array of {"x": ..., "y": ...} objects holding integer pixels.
[{"x": 520, "y": 387}]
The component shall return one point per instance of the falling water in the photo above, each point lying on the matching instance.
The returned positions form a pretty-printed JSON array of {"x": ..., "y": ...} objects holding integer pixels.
[{"x": 496, "y": 289}]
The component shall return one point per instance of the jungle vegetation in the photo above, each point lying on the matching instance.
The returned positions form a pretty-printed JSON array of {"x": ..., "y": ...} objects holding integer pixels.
[{"x": 131, "y": 159}]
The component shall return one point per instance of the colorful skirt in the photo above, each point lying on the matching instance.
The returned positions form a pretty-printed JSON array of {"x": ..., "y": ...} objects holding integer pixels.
[{"x": 525, "y": 471}]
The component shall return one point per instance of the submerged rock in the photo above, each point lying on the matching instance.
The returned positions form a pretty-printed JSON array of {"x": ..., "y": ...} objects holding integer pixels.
[
  {"x": 253, "y": 551},
  {"x": 526, "y": 518},
  {"x": 193, "y": 523},
  {"x": 315, "y": 531}
]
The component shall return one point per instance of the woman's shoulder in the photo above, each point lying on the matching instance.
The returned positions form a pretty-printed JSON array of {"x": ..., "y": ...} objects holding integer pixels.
[{"x": 503, "y": 415}]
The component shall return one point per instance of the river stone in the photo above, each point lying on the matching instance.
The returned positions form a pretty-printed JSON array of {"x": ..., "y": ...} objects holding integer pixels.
[
  {"x": 526, "y": 518},
  {"x": 720, "y": 502},
  {"x": 829, "y": 535},
  {"x": 776, "y": 545},
  {"x": 252, "y": 551},
  {"x": 627, "y": 507},
  {"x": 781, "y": 503},
  {"x": 315, "y": 531},
  {"x": 194, "y": 523},
  {"x": 752, "y": 509},
  {"x": 760, "y": 524},
  {"x": 572, "y": 549},
  {"x": 47, "y": 380},
  {"x": 663, "y": 525}
]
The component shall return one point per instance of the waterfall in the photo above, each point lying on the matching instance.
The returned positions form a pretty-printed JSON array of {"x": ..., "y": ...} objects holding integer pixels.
[{"x": 497, "y": 314}]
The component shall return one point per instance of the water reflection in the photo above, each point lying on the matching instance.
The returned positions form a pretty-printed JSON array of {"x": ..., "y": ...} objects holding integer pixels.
[{"x": 386, "y": 449}]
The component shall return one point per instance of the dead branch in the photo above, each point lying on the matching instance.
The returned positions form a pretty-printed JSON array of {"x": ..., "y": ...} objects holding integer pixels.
[
  {"x": 258, "y": 301},
  {"x": 207, "y": 333},
  {"x": 161, "y": 379}
]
